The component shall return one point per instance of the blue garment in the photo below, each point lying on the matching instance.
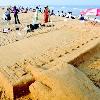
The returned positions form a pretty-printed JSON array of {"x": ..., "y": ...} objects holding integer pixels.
[
  {"x": 7, "y": 13},
  {"x": 81, "y": 18}
]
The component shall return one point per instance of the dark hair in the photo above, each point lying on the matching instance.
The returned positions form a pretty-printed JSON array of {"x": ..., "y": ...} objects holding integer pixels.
[
  {"x": 8, "y": 28},
  {"x": 28, "y": 26},
  {"x": 7, "y": 8},
  {"x": 45, "y": 7},
  {"x": 14, "y": 7},
  {"x": 37, "y": 7}
]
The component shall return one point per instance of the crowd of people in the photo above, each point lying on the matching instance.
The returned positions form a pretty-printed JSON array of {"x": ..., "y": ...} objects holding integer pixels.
[
  {"x": 46, "y": 12},
  {"x": 7, "y": 14},
  {"x": 34, "y": 25},
  {"x": 16, "y": 11}
]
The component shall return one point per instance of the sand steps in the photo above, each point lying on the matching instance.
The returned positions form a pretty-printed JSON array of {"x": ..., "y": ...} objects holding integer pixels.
[{"x": 15, "y": 81}]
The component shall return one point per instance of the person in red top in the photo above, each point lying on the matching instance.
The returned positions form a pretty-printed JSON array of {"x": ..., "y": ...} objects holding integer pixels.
[{"x": 46, "y": 14}]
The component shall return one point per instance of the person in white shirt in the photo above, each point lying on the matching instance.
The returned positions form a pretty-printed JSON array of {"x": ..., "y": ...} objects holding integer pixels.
[{"x": 36, "y": 14}]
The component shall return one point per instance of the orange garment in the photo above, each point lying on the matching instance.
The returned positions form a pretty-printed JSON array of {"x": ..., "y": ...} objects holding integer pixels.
[{"x": 46, "y": 15}]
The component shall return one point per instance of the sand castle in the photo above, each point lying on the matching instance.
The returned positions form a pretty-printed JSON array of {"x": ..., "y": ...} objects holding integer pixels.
[{"x": 55, "y": 63}]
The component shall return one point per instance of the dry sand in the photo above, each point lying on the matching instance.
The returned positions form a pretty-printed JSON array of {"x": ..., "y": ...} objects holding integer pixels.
[{"x": 35, "y": 64}]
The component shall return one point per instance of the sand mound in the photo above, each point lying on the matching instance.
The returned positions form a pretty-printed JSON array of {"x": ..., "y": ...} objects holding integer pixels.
[{"x": 62, "y": 83}]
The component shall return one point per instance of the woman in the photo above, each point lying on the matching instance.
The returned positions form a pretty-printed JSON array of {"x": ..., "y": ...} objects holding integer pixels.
[
  {"x": 16, "y": 15},
  {"x": 46, "y": 15}
]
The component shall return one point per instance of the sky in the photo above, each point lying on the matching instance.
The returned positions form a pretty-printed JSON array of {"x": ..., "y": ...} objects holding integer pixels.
[{"x": 49, "y": 2}]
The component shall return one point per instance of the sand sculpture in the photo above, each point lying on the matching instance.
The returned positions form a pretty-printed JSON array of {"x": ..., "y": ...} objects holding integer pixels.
[
  {"x": 42, "y": 66},
  {"x": 62, "y": 83}
]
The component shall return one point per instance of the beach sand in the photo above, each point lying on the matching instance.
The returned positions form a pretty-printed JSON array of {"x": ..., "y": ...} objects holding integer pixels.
[{"x": 37, "y": 61}]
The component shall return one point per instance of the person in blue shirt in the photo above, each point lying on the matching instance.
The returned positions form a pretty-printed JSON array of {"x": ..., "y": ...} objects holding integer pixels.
[{"x": 7, "y": 14}]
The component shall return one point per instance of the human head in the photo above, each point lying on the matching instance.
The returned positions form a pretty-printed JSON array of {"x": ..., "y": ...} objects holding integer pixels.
[
  {"x": 45, "y": 7},
  {"x": 14, "y": 7},
  {"x": 37, "y": 7},
  {"x": 7, "y": 8},
  {"x": 8, "y": 28},
  {"x": 28, "y": 26}
]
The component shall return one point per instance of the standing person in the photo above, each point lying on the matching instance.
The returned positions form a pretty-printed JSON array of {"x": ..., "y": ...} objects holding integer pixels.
[
  {"x": 46, "y": 14},
  {"x": 16, "y": 15},
  {"x": 36, "y": 14}
]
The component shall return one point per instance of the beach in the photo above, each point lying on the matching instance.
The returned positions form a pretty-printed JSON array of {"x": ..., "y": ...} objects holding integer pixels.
[{"x": 60, "y": 61}]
